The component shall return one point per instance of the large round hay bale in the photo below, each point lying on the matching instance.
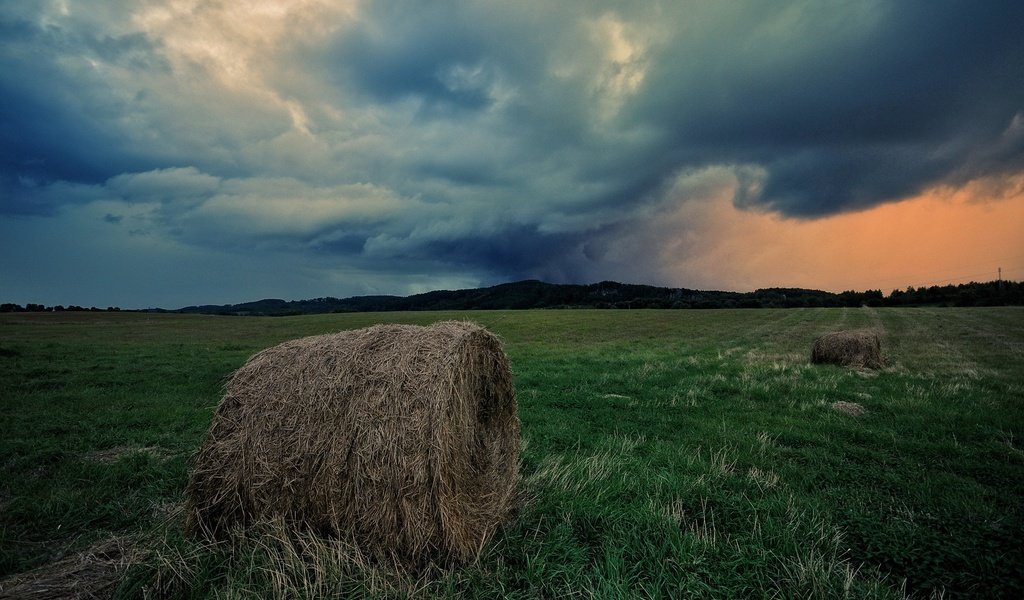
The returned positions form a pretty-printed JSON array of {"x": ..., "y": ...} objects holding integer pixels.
[
  {"x": 403, "y": 439},
  {"x": 859, "y": 348}
]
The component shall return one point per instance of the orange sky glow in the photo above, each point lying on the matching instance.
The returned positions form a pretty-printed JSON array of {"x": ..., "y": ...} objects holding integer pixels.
[{"x": 940, "y": 237}]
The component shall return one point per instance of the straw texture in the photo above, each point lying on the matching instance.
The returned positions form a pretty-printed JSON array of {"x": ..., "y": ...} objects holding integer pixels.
[
  {"x": 401, "y": 438},
  {"x": 860, "y": 348}
]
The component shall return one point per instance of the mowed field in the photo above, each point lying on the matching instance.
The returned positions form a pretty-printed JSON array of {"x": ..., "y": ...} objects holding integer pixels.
[{"x": 666, "y": 454}]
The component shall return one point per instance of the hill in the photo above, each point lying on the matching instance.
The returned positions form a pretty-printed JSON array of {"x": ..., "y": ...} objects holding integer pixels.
[{"x": 611, "y": 294}]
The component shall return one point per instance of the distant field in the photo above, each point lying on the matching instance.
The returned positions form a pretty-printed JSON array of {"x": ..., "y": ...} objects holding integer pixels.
[{"x": 668, "y": 454}]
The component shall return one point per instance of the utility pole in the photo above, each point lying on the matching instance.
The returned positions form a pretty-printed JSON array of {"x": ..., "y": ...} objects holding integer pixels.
[{"x": 1000, "y": 278}]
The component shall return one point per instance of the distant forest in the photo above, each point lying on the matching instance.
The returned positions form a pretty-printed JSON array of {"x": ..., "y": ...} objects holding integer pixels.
[{"x": 607, "y": 294}]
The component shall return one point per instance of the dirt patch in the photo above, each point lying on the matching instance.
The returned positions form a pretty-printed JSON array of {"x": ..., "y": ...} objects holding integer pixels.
[
  {"x": 849, "y": 408},
  {"x": 92, "y": 573}
]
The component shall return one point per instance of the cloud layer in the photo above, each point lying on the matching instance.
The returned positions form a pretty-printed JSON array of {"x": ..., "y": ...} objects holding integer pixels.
[{"x": 401, "y": 144}]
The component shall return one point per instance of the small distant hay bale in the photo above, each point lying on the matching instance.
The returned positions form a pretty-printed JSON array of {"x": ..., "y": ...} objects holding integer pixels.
[
  {"x": 859, "y": 348},
  {"x": 849, "y": 408},
  {"x": 400, "y": 438}
]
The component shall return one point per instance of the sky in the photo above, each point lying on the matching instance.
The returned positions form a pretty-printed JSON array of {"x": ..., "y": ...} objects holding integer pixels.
[{"x": 176, "y": 152}]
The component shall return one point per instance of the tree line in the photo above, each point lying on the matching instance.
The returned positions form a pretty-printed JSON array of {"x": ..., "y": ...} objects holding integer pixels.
[
  {"x": 10, "y": 307},
  {"x": 613, "y": 295},
  {"x": 606, "y": 294}
]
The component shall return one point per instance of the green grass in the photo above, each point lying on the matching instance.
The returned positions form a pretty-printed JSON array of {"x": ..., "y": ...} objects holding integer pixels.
[{"x": 667, "y": 454}]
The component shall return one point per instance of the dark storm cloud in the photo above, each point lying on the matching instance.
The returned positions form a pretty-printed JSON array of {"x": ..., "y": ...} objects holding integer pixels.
[
  {"x": 844, "y": 118},
  {"x": 445, "y": 53},
  {"x": 843, "y": 111},
  {"x": 79, "y": 103},
  {"x": 416, "y": 62},
  {"x": 506, "y": 248},
  {"x": 492, "y": 141},
  {"x": 55, "y": 124}
]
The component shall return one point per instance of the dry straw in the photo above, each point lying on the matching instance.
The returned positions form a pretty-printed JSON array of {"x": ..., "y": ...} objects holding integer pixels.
[
  {"x": 400, "y": 438},
  {"x": 92, "y": 573},
  {"x": 859, "y": 348}
]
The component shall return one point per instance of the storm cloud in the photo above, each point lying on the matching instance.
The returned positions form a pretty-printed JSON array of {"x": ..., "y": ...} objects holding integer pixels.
[{"x": 409, "y": 145}]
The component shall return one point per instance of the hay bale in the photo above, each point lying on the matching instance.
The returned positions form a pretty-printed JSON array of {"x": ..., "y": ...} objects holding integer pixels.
[
  {"x": 859, "y": 348},
  {"x": 403, "y": 439}
]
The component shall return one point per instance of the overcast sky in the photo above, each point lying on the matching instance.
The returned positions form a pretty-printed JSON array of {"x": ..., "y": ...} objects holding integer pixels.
[{"x": 165, "y": 153}]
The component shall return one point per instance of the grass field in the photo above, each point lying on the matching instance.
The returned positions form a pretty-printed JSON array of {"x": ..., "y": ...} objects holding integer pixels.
[{"x": 667, "y": 454}]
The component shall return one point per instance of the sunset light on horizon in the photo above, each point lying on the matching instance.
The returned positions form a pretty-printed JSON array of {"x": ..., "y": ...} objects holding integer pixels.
[{"x": 939, "y": 237}]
